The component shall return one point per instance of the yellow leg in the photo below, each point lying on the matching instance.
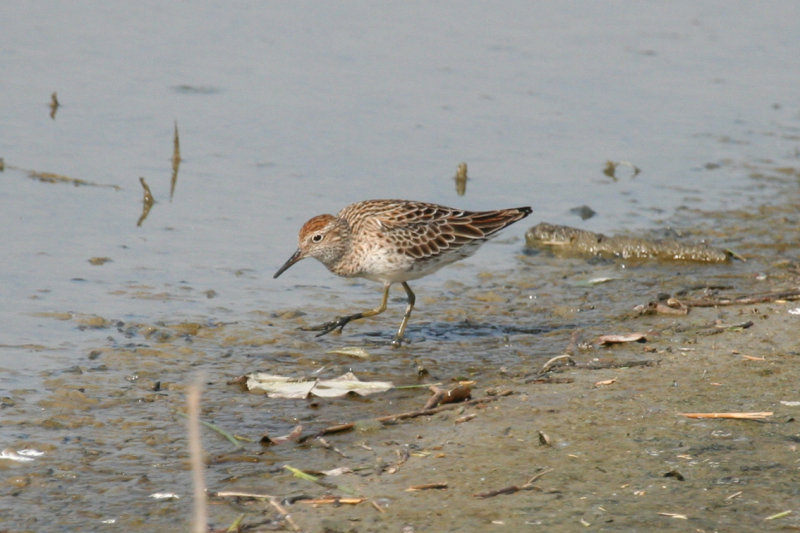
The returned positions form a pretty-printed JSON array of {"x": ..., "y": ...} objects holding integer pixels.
[
  {"x": 411, "y": 299},
  {"x": 342, "y": 321}
]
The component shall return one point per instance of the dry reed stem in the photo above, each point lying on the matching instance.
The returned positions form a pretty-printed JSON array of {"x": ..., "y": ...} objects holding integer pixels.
[{"x": 200, "y": 515}]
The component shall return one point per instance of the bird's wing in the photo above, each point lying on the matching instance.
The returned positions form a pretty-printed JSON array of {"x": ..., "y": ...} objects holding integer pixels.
[{"x": 424, "y": 231}]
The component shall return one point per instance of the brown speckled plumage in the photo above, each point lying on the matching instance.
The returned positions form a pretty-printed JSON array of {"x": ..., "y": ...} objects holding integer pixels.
[{"x": 394, "y": 241}]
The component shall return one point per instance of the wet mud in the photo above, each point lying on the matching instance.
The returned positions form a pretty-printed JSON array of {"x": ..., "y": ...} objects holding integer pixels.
[
  {"x": 595, "y": 440},
  {"x": 577, "y": 241}
]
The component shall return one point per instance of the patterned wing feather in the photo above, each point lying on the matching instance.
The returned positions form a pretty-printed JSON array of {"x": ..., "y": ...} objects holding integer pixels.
[{"x": 427, "y": 231}]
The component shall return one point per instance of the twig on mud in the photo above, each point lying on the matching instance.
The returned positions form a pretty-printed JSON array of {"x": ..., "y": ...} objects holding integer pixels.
[
  {"x": 388, "y": 419},
  {"x": 424, "y": 412},
  {"x": 465, "y": 418},
  {"x": 719, "y": 328},
  {"x": 296, "y": 472},
  {"x": 779, "y": 515},
  {"x": 330, "y": 430},
  {"x": 403, "y": 454},
  {"x": 513, "y": 488},
  {"x": 328, "y": 446},
  {"x": 566, "y": 357},
  {"x": 602, "y": 365},
  {"x": 675, "y": 306},
  {"x": 739, "y": 325},
  {"x": 219, "y": 430},
  {"x": 459, "y": 393},
  {"x": 549, "y": 380},
  {"x": 605, "y": 382},
  {"x": 333, "y": 500},
  {"x": 550, "y": 366},
  {"x": 791, "y": 294},
  {"x": 238, "y": 494},
  {"x": 236, "y": 525},
  {"x": 427, "y": 486},
  {"x": 672, "y": 306},
  {"x": 417, "y": 386},
  {"x": 273, "y": 500},
  {"x": 572, "y": 345},
  {"x": 674, "y": 515},
  {"x": 758, "y": 415},
  {"x": 377, "y": 506},
  {"x": 605, "y": 340},
  {"x": 266, "y": 440},
  {"x": 568, "y": 360}
]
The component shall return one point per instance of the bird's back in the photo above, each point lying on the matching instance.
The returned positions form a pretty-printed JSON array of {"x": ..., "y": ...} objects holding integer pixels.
[{"x": 400, "y": 240}]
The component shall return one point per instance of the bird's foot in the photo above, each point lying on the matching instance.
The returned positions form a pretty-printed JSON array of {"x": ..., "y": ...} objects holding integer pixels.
[
  {"x": 339, "y": 323},
  {"x": 398, "y": 341}
]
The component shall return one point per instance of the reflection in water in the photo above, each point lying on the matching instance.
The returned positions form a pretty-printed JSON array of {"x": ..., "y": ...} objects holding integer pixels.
[
  {"x": 52, "y": 177},
  {"x": 461, "y": 179},
  {"x": 54, "y": 105},
  {"x": 469, "y": 329},
  {"x": 583, "y": 211},
  {"x": 610, "y": 169},
  {"x": 176, "y": 162},
  {"x": 147, "y": 202},
  {"x": 195, "y": 89}
]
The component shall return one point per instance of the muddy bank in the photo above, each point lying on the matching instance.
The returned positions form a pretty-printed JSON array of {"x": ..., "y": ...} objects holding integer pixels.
[{"x": 601, "y": 444}]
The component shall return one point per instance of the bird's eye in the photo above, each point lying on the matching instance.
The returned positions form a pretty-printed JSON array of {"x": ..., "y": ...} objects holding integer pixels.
[{"x": 317, "y": 237}]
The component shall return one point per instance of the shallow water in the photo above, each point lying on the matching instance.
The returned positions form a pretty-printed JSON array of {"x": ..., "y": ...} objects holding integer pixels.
[{"x": 290, "y": 110}]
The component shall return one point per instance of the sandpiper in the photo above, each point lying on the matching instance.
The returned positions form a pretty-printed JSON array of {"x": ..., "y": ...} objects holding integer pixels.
[{"x": 394, "y": 241}]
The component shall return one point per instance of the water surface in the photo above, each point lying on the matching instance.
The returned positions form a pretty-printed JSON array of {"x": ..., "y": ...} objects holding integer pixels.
[{"x": 287, "y": 110}]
